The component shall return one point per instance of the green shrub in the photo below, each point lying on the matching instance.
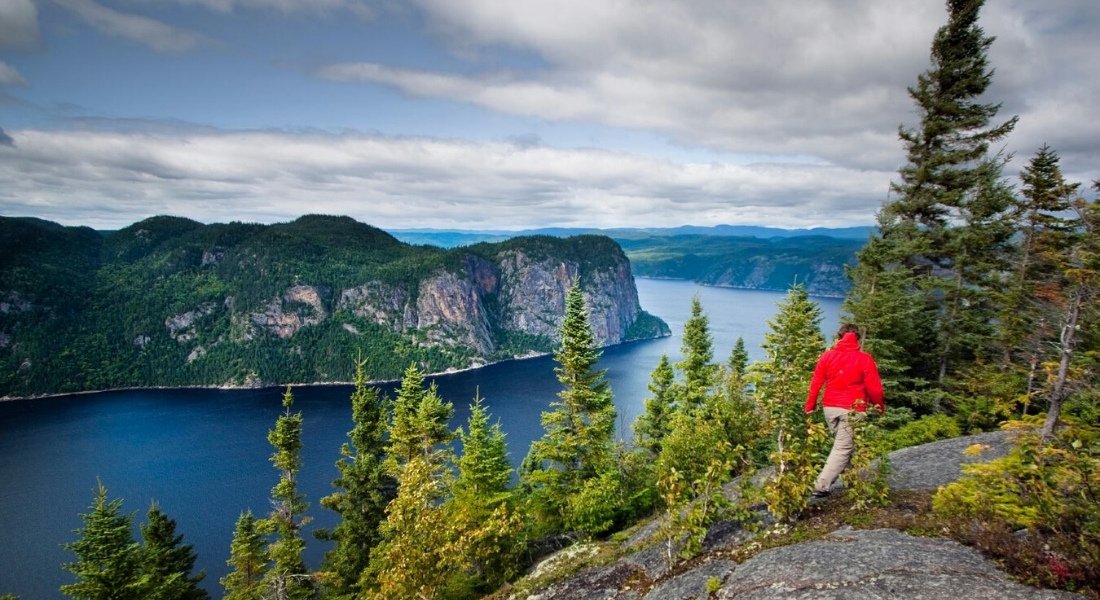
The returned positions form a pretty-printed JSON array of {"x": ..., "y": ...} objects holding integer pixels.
[
  {"x": 1051, "y": 490},
  {"x": 925, "y": 429}
]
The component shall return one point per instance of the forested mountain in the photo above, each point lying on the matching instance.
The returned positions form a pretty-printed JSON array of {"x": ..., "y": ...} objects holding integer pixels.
[
  {"x": 816, "y": 262},
  {"x": 169, "y": 301},
  {"x": 726, "y": 255}
]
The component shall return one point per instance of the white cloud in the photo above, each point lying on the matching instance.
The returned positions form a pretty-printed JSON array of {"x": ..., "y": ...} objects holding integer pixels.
[
  {"x": 9, "y": 76},
  {"x": 802, "y": 77},
  {"x": 18, "y": 24},
  {"x": 136, "y": 28},
  {"x": 407, "y": 182}
]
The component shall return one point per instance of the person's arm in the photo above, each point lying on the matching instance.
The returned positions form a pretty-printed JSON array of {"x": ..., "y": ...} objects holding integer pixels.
[
  {"x": 872, "y": 383},
  {"x": 815, "y": 385}
]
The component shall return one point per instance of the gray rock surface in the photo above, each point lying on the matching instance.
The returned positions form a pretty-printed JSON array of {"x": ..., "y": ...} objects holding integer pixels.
[
  {"x": 928, "y": 466},
  {"x": 848, "y": 563},
  {"x": 872, "y": 564},
  {"x": 692, "y": 585}
]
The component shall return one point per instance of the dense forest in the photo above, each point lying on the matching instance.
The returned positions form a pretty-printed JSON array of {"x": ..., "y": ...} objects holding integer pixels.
[
  {"x": 170, "y": 301},
  {"x": 978, "y": 300}
]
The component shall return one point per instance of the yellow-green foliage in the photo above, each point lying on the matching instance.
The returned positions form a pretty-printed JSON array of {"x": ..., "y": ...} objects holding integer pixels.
[
  {"x": 797, "y": 459},
  {"x": 925, "y": 429},
  {"x": 1053, "y": 488},
  {"x": 594, "y": 508},
  {"x": 869, "y": 466}
]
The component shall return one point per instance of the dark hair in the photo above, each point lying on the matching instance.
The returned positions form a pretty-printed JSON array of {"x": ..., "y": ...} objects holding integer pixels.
[{"x": 849, "y": 328}]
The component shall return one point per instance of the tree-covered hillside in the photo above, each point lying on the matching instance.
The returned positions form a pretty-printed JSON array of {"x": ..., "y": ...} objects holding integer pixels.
[
  {"x": 818, "y": 262},
  {"x": 170, "y": 301}
]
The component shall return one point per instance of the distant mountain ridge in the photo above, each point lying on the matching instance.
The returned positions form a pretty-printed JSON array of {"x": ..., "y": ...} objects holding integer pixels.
[
  {"x": 449, "y": 238},
  {"x": 740, "y": 256},
  {"x": 170, "y": 301}
]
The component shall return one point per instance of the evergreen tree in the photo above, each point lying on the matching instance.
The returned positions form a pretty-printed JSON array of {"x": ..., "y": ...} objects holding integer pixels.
[
  {"x": 363, "y": 490},
  {"x": 574, "y": 460},
  {"x": 248, "y": 557},
  {"x": 420, "y": 419},
  {"x": 944, "y": 225},
  {"x": 651, "y": 428},
  {"x": 1026, "y": 326},
  {"x": 416, "y": 532},
  {"x": 108, "y": 560},
  {"x": 287, "y": 578},
  {"x": 415, "y": 557},
  {"x": 167, "y": 562},
  {"x": 697, "y": 365},
  {"x": 792, "y": 347},
  {"x": 739, "y": 359},
  {"x": 1079, "y": 265},
  {"x": 484, "y": 521}
]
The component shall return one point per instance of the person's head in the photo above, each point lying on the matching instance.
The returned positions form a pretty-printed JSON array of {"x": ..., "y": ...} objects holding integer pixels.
[{"x": 848, "y": 328}]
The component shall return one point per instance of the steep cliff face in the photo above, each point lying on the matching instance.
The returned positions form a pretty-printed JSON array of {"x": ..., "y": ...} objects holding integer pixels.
[
  {"x": 472, "y": 305},
  {"x": 174, "y": 302}
]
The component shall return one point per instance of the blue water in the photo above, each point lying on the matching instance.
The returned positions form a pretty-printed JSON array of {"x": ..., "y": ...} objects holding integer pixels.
[{"x": 203, "y": 454}]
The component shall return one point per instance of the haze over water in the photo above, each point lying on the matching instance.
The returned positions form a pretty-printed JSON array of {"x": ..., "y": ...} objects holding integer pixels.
[{"x": 203, "y": 454}]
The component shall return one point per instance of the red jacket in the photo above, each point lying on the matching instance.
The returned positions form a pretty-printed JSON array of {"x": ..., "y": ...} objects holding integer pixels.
[{"x": 849, "y": 375}]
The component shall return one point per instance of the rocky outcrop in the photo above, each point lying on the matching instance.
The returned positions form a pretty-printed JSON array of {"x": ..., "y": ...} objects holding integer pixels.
[
  {"x": 847, "y": 563},
  {"x": 509, "y": 292},
  {"x": 872, "y": 564},
  {"x": 300, "y": 306},
  {"x": 181, "y": 327}
]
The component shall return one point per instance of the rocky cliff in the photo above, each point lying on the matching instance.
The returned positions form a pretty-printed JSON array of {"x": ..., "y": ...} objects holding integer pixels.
[{"x": 174, "y": 302}]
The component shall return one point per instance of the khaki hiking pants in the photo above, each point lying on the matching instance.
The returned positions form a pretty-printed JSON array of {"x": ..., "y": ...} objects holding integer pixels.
[{"x": 837, "y": 420}]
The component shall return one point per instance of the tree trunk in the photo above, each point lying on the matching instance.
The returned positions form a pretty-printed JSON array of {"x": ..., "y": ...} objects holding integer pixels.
[{"x": 1058, "y": 392}]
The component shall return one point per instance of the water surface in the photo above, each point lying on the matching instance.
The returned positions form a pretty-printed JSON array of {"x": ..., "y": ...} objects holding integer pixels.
[{"x": 204, "y": 457}]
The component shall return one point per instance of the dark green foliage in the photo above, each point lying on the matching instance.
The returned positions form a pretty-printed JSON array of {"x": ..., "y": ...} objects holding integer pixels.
[
  {"x": 169, "y": 301},
  {"x": 420, "y": 421},
  {"x": 651, "y": 428},
  {"x": 287, "y": 577},
  {"x": 486, "y": 524},
  {"x": 363, "y": 490},
  {"x": 698, "y": 365},
  {"x": 249, "y": 559},
  {"x": 571, "y": 471},
  {"x": 750, "y": 262},
  {"x": 108, "y": 560},
  {"x": 167, "y": 562},
  {"x": 924, "y": 286}
]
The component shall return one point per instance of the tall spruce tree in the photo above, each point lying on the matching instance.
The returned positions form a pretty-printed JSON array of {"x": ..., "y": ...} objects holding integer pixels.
[
  {"x": 1026, "y": 326},
  {"x": 484, "y": 521},
  {"x": 363, "y": 491},
  {"x": 287, "y": 578},
  {"x": 108, "y": 560},
  {"x": 249, "y": 560},
  {"x": 943, "y": 226},
  {"x": 415, "y": 555},
  {"x": 791, "y": 346},
  {"x": 420, "y": 419},
  {"x": 698, "y": 362},
  {"x": 577, "y": 448},
  {"x": 167, "y": 562},
  {"x": 651, "y": 427}
]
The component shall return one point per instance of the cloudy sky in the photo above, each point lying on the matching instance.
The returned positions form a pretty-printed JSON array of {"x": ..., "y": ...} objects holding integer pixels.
[{"x": 502, "y": 114}]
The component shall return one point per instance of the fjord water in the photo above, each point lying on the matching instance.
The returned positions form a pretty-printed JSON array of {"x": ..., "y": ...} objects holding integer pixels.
[{"x": 202, "y": 455}]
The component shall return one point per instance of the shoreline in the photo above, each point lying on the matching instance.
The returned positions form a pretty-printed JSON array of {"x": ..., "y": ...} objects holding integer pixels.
[
  {"x": 734, "y": 287},
  {"x": 265, "y": 386}
]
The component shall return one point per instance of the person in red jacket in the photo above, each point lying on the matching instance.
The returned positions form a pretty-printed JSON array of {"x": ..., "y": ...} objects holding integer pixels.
[{"x": 851, "y": 381}]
